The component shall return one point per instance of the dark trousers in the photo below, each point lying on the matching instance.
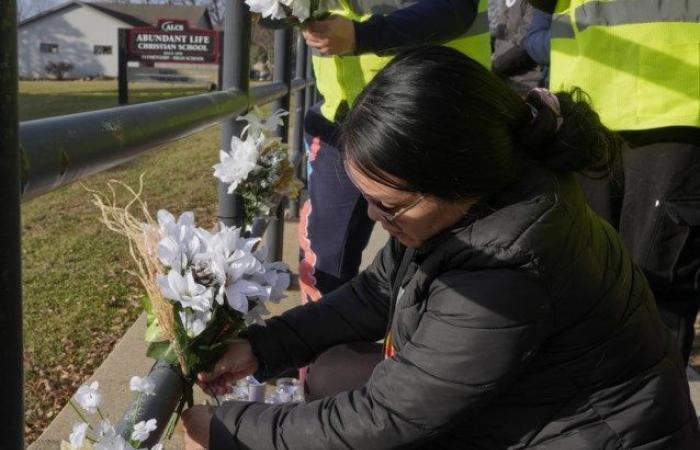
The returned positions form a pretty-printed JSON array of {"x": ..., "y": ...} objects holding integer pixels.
[
  {"x": 654, "y": 202},
  {"x": 341, "y": 368},
  {"x": 334, "y": 228}
]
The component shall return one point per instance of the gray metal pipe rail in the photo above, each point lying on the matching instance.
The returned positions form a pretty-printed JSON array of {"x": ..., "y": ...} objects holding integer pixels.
[{"x": 57, "y": 151}]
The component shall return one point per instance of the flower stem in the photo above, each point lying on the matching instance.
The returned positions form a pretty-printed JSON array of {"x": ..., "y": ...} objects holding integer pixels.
[{"x": 80, "y": 414}]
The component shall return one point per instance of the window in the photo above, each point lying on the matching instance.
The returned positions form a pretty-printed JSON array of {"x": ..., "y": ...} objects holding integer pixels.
[
  {"x": 48, "y": 48},
  {"x": 102, "y": 50}
]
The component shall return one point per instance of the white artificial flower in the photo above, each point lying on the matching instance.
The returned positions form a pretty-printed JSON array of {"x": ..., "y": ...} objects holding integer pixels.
[
  {"x": 144, "y": 385},
  {"x": 168, "y": 224},
  {"x": 77, "y": 437},
  {"x": 267, "y": 8},
  {"x": 237, "y": 294},
  {"x": 194, "y": 321},
  {"x": 180, "y": 242},
  {"x": 301, "y": 9},
  {"x": 113, "y": 442},
  {"x": 185, "y": 291},
  {"x": 257, "y": 125},
  {"x": 105, "y": 429},
  {"x": 143, "y": 429},
  {"x": 235, "y": 166},
  {"x": 88, "y": 397},
  {"x": 158, "y": 446}
]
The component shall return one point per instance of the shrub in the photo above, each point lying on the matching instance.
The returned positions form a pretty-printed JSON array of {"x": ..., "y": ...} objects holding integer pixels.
[{"x": 59, "y": 69}]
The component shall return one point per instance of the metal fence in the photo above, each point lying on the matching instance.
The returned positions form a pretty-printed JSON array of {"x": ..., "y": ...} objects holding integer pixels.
[{"x": 39, "y": 156}]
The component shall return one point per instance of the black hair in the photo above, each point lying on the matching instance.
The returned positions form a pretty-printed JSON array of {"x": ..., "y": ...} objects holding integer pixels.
[{"x": 437, "y": 122}]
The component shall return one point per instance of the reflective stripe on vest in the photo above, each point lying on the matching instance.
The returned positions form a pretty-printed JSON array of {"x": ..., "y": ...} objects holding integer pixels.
[
  {"x": 341, "y": 79},
  {"x": 639, "y": 60}
]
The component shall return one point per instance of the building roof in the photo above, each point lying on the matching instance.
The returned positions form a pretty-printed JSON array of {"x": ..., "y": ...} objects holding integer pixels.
[{"x": 138, "y": 15}]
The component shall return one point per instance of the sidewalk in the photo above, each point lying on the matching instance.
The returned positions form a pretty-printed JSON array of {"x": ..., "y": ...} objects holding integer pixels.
[{"x": 129, "y": 358}]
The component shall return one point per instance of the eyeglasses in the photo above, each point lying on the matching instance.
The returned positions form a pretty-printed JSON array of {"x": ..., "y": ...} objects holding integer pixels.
[{"x": 389, "y": 214}]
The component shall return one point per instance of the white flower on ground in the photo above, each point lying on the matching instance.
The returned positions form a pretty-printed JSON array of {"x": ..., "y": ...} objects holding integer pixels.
[
  {"x": 301, "y": 9},
  {"x": 267, "y": 8},
  {"x": 194, "y": 321},
  {"x": 77, "y": 437},
  {"x": 105, "y": 429},
  {"x": 185, "y": 291},
  {"x": 143, "y": 429},
  {"x": 113, "y": 442},
  {"x": 88, "y": 397},
  {"x": 235, "y": 166},
  {"x": 257, "y": 125},
  {"x": 144, "y": 385}
]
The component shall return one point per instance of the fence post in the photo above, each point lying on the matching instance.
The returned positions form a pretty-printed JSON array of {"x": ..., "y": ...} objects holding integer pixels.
[
  {"x": 297, "y": 145},
  {"x": 274, "y": 238},
  {"x": 236, "y": 75},
  {"x": 11, "y": 376},
  {"x": 123, "y": 66}
]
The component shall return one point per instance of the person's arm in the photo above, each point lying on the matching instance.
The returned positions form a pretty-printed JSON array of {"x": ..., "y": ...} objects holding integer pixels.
[
  {"x": 538, "y": 36},
  {"x": 357, "y": 311},
  {"x": 425, "y": 22},
  {"x": 478, "y": 332}
]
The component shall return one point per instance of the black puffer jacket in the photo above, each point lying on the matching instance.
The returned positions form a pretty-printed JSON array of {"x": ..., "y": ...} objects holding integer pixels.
[{"x": 525, "y": 326}]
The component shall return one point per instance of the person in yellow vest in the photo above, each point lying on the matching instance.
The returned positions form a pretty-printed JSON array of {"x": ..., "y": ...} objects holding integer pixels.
[
  {"x": 639, "y": 61},
  {"x": 350, "y": 47}
]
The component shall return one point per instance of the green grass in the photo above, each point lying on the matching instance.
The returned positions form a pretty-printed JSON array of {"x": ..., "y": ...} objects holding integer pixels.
[
  {"x": 39, "y": 99},
  {"x": 78, "y": 297}
]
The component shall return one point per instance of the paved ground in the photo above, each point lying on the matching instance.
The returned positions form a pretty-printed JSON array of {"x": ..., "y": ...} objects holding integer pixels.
[{"x": 128, "y": 359}]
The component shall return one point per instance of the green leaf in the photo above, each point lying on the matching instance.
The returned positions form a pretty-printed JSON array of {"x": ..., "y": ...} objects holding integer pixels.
[
  {"x": 162, "y": 351},
  {"x": 153, "y": 330}
]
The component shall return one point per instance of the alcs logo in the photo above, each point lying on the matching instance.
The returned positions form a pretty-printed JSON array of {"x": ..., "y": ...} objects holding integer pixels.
[{"x": 172, "y": 26}]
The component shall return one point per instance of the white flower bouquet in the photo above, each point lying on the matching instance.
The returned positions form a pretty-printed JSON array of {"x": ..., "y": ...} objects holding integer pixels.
[
  {"x": 257, "y": 166},
  {"x": 204, "y": 287}
]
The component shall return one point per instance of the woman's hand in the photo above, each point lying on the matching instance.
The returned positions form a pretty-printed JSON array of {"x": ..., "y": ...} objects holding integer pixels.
[
  {"x": 238, "y": 362},
  {"x": 196, "y": 421},
  {"x": 333, "y": 36}
]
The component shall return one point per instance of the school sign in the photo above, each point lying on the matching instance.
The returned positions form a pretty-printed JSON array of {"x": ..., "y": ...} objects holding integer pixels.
[{"x": 173, "y": 41}]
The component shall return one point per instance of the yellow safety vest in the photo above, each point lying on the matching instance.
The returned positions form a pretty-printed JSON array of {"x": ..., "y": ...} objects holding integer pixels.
[
  {"x": 639, "y": 60},
  {"x": 342, "y": 78}
]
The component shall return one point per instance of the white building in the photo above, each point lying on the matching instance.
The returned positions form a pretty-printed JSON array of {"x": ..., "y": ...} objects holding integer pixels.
[{"x": 84, "y": 34}]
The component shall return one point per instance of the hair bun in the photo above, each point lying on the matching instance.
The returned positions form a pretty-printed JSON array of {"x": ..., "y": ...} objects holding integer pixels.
[{"x": 566, "y": 134}]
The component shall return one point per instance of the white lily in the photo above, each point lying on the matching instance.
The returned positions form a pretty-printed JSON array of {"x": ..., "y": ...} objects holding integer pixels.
[
  {"x": 185, "y": 291},
  {"x": 259, "y": 125},
  {"x": 143, "y": 429},
  {"x": 194, "y": 321},
  {"x": 88, "y": 397},
  {"x": 144, "y": 385},
  {"x": 235, "y": 166},
  {"x": 77, "y": 437}
]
